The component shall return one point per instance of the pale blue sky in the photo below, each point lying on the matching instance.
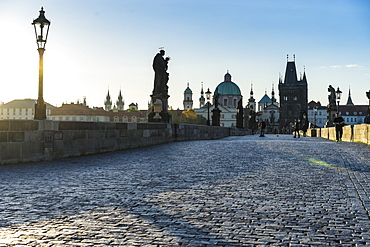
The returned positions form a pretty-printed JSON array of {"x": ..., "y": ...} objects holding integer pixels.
[{"x": 95, "y": 45}]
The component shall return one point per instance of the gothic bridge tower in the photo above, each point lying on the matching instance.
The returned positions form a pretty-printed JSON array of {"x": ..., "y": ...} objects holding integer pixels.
[{"x": 293, "y": 94}]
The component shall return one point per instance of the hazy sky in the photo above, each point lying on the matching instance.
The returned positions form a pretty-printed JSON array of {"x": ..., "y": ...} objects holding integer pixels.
[{"x": 95, "y": 45}]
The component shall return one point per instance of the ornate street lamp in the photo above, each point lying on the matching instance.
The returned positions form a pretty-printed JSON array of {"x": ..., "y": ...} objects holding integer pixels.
[
  {"x": 208, "y": 96},
  {"x": 338, "y": 94},
  {"x": 41, "y": 36}
]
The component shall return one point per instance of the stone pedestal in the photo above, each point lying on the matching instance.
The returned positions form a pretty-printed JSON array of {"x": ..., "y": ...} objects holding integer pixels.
[
  {"x": 216, "y": 116},
  {"x": 166, "y": 117}
]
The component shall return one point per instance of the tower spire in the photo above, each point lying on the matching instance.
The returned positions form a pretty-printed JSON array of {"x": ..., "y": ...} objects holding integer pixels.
[{"x": 349, "y": 100}]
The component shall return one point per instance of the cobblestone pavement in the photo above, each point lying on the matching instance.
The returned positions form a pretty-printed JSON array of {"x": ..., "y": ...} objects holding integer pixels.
[{"x": 237, "y": 191}]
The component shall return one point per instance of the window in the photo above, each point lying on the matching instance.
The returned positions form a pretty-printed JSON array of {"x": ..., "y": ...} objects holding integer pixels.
[
  {"x": 81, "y": 118},
  {"x": 285, "y": 98},
  {"x": 124, "y": 119},
  {"x": 355, "y": 113},
  {"x": 116, "y": 118},
  {"x": 234, "y": 102},
  {"x": 225, "y": 102},
  {"x": 295, "y": 98},
  {"x": 133, "y": 119},
  {"x": 222, "y": 115}
]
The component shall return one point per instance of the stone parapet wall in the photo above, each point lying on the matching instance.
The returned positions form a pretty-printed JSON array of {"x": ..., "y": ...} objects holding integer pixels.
[
  {"x": 351, "y": 133},
  {"x": 32, "y": 140}
]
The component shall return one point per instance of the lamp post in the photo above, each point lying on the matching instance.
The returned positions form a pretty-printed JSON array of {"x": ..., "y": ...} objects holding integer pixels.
[
  {"x": 315, "y": 114},
  {"x": 41, "y": 36},
  {"x": 208, "y": 96},
  {"x": 338, "y": 94}
]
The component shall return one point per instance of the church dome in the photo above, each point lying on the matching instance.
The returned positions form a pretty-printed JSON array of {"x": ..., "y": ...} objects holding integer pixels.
[
  {"x": 227, "y": 87},
  {"x": 188, "y": 90}
]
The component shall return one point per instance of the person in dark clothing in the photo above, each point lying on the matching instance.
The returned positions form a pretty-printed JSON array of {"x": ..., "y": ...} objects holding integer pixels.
[
  {"x": 262, "y": 127},
  {"x": 296, "y": 129},
  {"x": 339, "y": 123}
]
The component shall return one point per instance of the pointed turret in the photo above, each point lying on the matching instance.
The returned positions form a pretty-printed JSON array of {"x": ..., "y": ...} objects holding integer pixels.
[
  {"x": 120, "y": 103},
  {"x": 304, "y": 79},
  {"x": 349, "y": 100},
  {"x": 273, "y": 100},
  {"x": 202, "y": 100},
  {"x": 108, "y": 102},
  {"x": 251, "y": 100}
]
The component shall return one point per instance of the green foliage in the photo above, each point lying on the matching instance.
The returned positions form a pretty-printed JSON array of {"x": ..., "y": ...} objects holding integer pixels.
[{"x": 189, "y": 116}]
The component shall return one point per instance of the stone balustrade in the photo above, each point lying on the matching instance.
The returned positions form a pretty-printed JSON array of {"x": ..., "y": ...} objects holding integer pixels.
[
  {"x": 351, "y": 133},
  {"x": 32, "y": 140}
]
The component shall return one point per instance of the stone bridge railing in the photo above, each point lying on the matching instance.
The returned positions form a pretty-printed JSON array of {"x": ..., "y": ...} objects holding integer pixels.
[
  {"x": 351, "y": 133},
  {"x": 32, "y": 140}
]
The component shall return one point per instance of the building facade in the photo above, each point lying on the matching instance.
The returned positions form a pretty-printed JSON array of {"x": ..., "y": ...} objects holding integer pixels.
[{"x": 22, "y": 109}]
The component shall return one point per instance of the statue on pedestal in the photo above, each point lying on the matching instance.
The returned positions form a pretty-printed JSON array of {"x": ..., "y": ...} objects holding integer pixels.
[{"x": 160, "y": 90}]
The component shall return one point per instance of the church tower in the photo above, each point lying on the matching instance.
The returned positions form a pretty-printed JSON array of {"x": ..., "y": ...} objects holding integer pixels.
[
  {"x": 202, "y": 100},
  {"x": 293, "y": 94},
  {"x": 120, "y": 103},
  {"x": 108, "y": 102},
  {"x": 251, "y": 100},
  {"x": 188, "y": 98}
]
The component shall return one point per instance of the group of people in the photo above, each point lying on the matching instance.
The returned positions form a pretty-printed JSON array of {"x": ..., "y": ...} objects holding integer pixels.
[{"x": 298, "y": 125}]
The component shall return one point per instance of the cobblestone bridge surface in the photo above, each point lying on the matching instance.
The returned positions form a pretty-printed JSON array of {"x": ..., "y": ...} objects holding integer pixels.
[{"x": 237, "y": 191}]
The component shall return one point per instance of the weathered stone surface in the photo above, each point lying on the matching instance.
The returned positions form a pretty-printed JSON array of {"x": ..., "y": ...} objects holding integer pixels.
[{"x": 236, "y": 191}]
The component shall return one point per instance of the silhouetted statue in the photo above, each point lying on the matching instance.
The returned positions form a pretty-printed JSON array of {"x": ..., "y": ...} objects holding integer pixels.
[
  {"x": 331, "y": 97},
  {"x": 240, "y": 115},
  {"x": 160, "y": 90},
  {"x": 161, "y": 77}
]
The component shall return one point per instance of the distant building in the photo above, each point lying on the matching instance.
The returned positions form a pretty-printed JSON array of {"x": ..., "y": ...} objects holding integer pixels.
[
  {"x": 229, "y": 96},
  {"x": 269, "y": 111},
  {"x": 21, "y": 109},
  {"x": 79, "y": 112},
  {"x": 317, "y": 114},
  {"x": 351, "y": 113},
  {"x": 293, "y": 95}
]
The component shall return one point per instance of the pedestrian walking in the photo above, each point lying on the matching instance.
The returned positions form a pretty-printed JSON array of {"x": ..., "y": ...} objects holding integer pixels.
[
  {"x": 338, "y": 123},
  {"x": 262, "y": 127},
  {"x": 296, "y": 128}
]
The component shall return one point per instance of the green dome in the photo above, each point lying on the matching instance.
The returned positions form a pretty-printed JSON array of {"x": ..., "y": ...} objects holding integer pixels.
[{"x": 228, "y": 87}]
